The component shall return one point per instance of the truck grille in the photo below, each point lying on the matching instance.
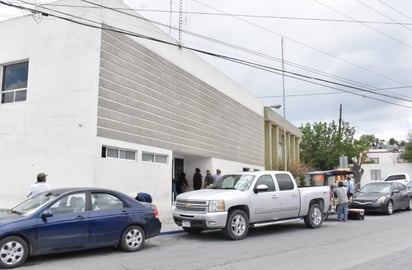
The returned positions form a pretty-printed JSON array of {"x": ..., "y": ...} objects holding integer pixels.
[{"x": 192, "y": 206}]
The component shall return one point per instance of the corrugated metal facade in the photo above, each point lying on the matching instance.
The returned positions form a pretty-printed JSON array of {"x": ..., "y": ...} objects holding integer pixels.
[{"x": 145, "y": 99}]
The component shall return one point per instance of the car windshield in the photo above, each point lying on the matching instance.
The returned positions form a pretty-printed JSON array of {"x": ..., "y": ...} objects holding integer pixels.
[
  {"x": 409, "y": 185},
  {"x": 375, "y": 187},
  {"x": 244, "y": 182},
  {"x": 32, "y": 204},
  {"x": 235, "y": 181}
]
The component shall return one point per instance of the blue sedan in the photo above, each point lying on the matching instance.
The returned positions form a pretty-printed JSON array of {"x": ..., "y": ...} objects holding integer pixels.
[{"x": 74, "y": 219}]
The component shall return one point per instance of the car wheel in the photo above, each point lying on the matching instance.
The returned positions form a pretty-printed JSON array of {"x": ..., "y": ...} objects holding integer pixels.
[
  {"x": 193, "y": 230},
  {"x": 410, "y": 204},
  {"x": 132, "y": 239},
  {"x": 389, "y": 208},
  {"x": 237, "y": 225},
  {"x": 13, "y": 252},
  {"x": 314, "y": 217}
]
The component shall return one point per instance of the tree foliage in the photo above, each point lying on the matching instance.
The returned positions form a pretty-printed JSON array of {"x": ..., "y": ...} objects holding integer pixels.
[
  {"x": 323, "y": 143},
  {"x": 407, "y": 154}
]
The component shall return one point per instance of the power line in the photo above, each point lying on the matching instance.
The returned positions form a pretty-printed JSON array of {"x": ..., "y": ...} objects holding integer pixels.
[
  {"x": 382, "y": 14},
  {"x": 310, "y": 79},
  {"x": 305, "y": 45},
  {"x": 248, "y": 15},
  {"x": 328, "y": 75},
  {"x": 367, "y": 26}
]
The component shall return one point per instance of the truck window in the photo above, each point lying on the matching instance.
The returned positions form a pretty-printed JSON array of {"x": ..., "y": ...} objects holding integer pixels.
[
  {"x": 266, "y": 180},
  {"x": 284, "y": 182}
]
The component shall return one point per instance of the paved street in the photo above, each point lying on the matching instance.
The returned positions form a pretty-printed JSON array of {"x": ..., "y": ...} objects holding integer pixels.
[{"x": 379, "y": 242}]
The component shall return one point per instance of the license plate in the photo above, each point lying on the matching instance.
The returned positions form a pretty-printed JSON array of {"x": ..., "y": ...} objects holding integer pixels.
[{"x": 186, "y": 223}]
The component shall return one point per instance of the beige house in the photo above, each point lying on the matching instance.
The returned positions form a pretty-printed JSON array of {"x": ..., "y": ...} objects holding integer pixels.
[{"x": 279, "y": 133}]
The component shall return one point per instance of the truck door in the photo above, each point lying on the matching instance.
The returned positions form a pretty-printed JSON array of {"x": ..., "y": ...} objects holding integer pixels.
[
  {"x": 288, "y": 195},
  {"x": 265, "y": 203}
]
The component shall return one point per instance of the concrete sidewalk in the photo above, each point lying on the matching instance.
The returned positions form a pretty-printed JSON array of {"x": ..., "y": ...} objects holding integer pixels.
[{"x": 169, "y": 226}]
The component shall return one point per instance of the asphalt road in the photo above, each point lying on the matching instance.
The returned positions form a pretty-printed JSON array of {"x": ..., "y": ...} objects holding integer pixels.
[{"x": 376, "y": 243}]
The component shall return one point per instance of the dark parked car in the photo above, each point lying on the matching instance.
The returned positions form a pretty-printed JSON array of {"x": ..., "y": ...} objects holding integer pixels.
[
  {"x": 384, "y": 197},
  {"x": 74, "y": 219}
]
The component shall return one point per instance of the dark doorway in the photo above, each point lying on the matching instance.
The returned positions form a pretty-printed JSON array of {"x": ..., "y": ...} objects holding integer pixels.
[{"x": 179, "y": 167}]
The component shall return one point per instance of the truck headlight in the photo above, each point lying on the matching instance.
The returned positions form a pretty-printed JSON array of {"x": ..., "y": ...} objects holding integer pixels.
[
  {"x": 381, "y": 199},
  {"x": 217, "y": 206}
]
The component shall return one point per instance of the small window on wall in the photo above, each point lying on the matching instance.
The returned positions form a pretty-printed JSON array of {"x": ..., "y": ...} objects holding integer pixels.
[
  {"x": 14, "y": 82},
  {"x": 113, "y": 152},
  {"x": 155, "y": 158}
]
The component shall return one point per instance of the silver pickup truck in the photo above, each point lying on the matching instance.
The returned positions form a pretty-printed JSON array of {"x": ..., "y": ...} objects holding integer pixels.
[{"x": 250, "y": 199}]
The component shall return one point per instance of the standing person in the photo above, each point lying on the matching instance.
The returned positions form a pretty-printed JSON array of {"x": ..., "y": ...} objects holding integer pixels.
[
  {"x": 341, "y": 192},
  {"x": 197, "y": 179},
  {"x": 351, "y": 188},
  {"x": 39, "y": 186},
  {"x": 181, "y": 183},
  {"x": 217, "y": 176},
  {"x": 209, "y": 180}
]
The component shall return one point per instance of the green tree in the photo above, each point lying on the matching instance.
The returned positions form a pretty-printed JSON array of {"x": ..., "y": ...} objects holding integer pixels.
[
  {"x": 323, "y": 143},
  {"x": 407, "y": 154}
]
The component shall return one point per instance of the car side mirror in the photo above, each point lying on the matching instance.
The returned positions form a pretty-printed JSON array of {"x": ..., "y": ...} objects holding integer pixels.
[
  {"x": 47, "y": 213},
  {"x": 260, "y": 188},
  {"x": 396, "y": 191}
]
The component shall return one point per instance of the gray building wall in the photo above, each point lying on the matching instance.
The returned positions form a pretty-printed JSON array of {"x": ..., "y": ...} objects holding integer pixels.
[{"x": 145, "y": 99}]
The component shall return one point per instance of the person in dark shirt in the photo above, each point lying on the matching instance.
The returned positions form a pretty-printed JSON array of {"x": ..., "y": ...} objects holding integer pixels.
[
  {"x": 209, "y": 180},
  {"x": 197, "y": 180}
]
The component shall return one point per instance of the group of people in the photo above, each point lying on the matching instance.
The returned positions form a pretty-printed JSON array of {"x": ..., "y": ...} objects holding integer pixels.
[
  {"x": 343, "y": 192},
  {"x": 182, "y": 184}
]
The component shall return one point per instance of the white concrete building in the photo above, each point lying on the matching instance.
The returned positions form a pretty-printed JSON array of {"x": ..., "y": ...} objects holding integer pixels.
[
  {"x": 96, "y": 107},
  {"x": 382, "y": 162}
]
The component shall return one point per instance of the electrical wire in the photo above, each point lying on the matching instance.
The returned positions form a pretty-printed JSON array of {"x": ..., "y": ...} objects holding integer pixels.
[
  {"x": 247, "y": 15},
  {"x": 314, "y": 71},
  {"x": 306, "y": 45},
  {"x": 310, "y": 79}
]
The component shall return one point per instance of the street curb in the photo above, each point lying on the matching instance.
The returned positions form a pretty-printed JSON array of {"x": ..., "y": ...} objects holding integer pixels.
[{"x": 171, "y": 232}]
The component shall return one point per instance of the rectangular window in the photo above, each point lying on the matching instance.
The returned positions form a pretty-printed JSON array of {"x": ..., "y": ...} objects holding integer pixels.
[
  {"x": 149, "y": 157},
  {"x": 14, "y": 82},
  {"x": 155, "y": 158},
  {"x": 161, "y": 159},
  {"x": 376, "y": 175},
  {"x": 113, "y": 152}
]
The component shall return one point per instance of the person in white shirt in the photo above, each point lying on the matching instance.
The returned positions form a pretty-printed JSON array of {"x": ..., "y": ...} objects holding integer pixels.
[
  {"x": 39, "y": 186},
  {"x": 217, "y": 176}
]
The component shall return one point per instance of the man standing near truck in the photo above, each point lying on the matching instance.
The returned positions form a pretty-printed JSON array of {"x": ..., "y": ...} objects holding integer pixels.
[
  {"x": 349, "y": 185},
  {"x": 341, "y": 193}
]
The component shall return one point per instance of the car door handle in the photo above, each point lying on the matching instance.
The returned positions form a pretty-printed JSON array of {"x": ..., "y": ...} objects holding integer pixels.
[
  {"x": 80, "y": 217},
  {"x": 275, "y": 197}
]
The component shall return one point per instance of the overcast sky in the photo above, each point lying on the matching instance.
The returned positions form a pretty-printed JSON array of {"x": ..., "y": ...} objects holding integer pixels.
[{"x": 361, "y": 49}]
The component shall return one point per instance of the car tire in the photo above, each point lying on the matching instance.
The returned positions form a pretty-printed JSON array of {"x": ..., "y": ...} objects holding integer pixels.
[
  {"x": 193, "y": 230},
  {"x": 314, "y": 218},
  {"x": 133, "y": 239},
  {"x": 389, "y": 208},
  {"x": 410, "y": 204},
  {"x": 13, "y": 252},
  {"x": 237, "y": 225}
]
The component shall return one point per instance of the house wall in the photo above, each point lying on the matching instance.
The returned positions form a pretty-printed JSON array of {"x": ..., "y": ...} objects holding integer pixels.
[
  {"x": 389, "y": 163},
  {"x": 54, "y": 130},
  {"x": 87, "y": 89}
]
